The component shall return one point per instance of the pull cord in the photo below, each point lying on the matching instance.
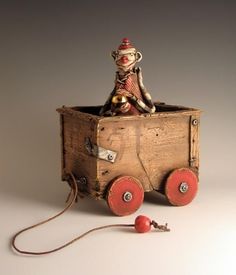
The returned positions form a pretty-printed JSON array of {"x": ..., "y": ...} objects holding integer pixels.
[
  {"x": 142, "y": 224},
  {"x": 74, "y": 190}
]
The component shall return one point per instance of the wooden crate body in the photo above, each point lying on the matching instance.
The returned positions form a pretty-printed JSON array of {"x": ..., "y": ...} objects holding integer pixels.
[{"x": 147, "y": 147}]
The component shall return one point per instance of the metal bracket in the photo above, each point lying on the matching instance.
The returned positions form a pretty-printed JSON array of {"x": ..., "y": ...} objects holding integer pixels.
[
  {"x": 194, "y": 141},
  {"x": 99, "y": 151}
]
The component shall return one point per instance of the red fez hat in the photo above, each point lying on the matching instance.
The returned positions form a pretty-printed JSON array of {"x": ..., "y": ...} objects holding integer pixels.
[{"x": 126, "y": 44}]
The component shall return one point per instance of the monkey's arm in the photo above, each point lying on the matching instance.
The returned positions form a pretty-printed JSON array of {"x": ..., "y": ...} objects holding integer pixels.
[{"x": 148, "y": 105}]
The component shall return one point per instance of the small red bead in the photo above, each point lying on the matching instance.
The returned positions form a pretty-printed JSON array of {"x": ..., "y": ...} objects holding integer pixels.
[{"x": 142, "y": 224}]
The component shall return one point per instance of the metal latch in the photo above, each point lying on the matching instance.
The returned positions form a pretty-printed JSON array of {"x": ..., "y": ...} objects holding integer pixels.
[{"x": 99, "y": 151}]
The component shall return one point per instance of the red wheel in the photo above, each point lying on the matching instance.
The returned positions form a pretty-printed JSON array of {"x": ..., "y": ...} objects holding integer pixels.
[
  {"x": 125, "y": 195},
  {"x": 181, "y": 186}
]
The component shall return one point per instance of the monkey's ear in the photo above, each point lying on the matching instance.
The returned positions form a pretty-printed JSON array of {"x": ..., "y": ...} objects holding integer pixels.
[
  {"x": 114, "y": 54},
  {"x": 138, "y": 56}
]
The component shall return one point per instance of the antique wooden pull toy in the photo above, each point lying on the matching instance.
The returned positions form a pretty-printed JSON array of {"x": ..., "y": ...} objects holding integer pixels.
[{"x": 128, "y": 146}]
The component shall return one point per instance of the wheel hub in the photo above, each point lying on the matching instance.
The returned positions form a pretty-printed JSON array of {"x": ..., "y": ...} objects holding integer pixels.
[
  {"x": 127, "y": 196},
  {"x": 183, "y": 188}
]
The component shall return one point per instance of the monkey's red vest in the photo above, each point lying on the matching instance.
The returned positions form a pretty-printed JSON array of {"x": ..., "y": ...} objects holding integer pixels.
[
  {"x": 140, "y": 99},
  {"x": 130, "y": 83}
]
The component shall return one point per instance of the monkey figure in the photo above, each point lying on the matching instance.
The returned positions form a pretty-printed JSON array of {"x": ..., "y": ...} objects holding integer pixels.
[{"x": 129, "y": 96}]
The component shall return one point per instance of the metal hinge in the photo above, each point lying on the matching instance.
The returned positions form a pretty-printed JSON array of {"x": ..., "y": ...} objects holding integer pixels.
[{"x": 99, "y": 151}]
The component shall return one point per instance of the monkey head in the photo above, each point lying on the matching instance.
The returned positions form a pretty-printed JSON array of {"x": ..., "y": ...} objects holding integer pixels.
[{"x": 126, "y": 56}]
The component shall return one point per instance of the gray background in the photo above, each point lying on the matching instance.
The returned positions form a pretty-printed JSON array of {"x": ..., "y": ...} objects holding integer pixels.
[{"x": 56, "y": 53}]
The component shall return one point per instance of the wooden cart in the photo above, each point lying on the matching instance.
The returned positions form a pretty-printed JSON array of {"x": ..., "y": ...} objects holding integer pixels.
[{"x": 119, "y": 158}]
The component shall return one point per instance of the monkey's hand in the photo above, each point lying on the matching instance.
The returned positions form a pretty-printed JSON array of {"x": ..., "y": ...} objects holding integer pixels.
[
  {"x": 124, "y": 108},
  {"x": 120, "y": 104}
]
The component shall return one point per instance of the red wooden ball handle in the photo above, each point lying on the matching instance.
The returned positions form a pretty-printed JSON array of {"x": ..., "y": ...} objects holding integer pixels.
[{"x": 143, "y": 224}]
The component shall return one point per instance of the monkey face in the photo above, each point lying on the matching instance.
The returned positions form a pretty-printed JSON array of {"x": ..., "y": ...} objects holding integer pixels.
[{"x": 126, "y": 59}]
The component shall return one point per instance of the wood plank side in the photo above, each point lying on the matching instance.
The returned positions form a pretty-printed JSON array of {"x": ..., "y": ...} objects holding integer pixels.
[
  {"x": 77, "y": 159},
  {"x": 147, "y": 148},
  {"x": 164, "y": 147},
  {"x": 123, "y": 138}
]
